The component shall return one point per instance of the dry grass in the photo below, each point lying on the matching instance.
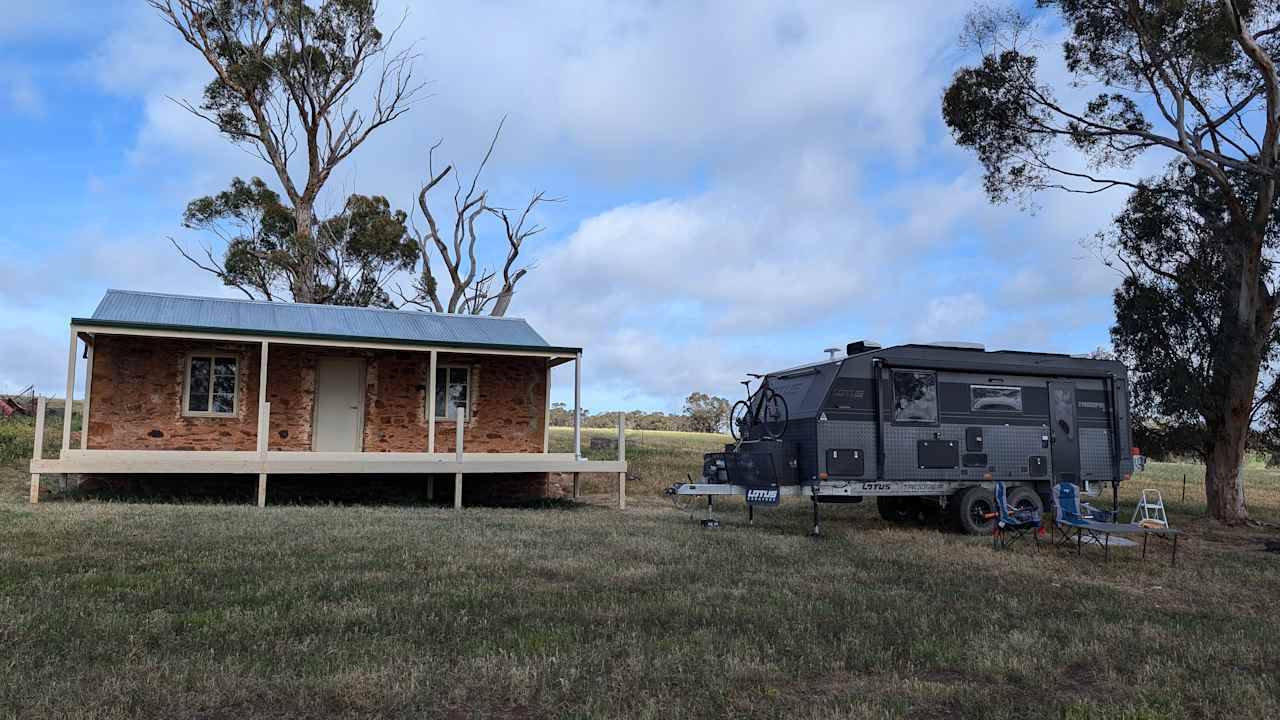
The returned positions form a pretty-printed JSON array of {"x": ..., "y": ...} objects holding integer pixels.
[
  {"x": 213, "y": 611},
  {"x": 656, "y": 458}
]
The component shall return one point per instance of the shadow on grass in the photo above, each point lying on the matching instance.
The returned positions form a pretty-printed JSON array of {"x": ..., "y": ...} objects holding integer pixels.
[{"x": 304, "y": 490}]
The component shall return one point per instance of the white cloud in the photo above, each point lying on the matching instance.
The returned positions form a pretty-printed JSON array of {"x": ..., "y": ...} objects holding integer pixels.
[
  {"x": 616, "y": 91},
  {"x": 72, "y": 277},
  {"x": 681, "y": 294},
  {"x": 747, "y": 182},
  {"x": 79, "y": 267},
  {"x": 30, "y": 355},
  {"x": 951, "y": 317}
]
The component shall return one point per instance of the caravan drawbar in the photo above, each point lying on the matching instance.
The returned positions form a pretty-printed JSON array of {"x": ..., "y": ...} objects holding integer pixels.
[{"x": 930, "y": 428}]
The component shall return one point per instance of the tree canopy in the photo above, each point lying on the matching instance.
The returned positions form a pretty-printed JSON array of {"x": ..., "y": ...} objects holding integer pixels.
[
  {"x": 1169, "y": 243},
  {"x": 355, "y": 252},
  {"x": 1197, "y": 80},
  {"x": 286, "y": 75}
]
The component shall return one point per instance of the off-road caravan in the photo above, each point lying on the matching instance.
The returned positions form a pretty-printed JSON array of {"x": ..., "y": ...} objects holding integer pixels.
[{"x": 929, "y": 428}]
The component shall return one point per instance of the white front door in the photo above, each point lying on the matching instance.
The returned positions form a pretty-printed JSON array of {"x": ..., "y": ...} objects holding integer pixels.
[{"x": 339, "y": 405}]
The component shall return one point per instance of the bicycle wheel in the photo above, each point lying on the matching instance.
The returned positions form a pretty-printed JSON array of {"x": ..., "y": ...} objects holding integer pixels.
[
  {"x": 775, "y": 415},
  {"x": 738, "y": 422}
]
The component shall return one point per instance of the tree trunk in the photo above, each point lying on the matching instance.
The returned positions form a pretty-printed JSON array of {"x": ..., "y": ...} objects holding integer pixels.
[
  {"x": 1223, "y": 471},
  {"x": 305, "y": 288},
  {"x": 503, "y": 303},
  {"x": 1228, "y": 406}
]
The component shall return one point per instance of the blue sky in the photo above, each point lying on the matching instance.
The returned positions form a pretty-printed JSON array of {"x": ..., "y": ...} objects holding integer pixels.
[{"x": 745, "y": 183}]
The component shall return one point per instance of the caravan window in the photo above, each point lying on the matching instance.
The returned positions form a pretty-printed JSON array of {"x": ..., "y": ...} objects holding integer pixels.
[
  {"x": 989, "y": 398},
  {"x": 915, "y": 396}
]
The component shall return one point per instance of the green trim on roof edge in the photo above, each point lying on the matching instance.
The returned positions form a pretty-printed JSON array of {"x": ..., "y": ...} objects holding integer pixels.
[{"x": 544, "y": 349}]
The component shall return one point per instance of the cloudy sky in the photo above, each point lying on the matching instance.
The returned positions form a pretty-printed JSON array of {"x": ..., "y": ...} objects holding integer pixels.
[{"x": 746, "y": 183}]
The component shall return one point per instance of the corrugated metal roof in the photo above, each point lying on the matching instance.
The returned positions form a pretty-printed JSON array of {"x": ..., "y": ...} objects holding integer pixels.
[{"x": 155, "y": 310}]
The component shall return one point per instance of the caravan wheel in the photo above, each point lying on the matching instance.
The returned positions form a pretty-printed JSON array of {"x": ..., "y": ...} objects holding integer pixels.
[
  {"x": 1023, "y": 498},
  {"x": 973, "y": 510}
]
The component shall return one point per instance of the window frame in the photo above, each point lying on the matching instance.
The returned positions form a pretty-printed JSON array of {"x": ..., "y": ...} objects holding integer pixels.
[
  {"x": 937, "y": 400},
  {"x": 186, "y": 385},
  {"x": 470, "y": 393},
  {"x": 972, "y": 408}
]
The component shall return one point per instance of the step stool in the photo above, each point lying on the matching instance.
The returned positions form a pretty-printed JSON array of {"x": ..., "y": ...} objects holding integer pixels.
[{"x": 1150, "y": 507}]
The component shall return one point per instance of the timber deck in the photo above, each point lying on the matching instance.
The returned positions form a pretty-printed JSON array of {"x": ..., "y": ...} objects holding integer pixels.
[{"x": 226, "y": 462}]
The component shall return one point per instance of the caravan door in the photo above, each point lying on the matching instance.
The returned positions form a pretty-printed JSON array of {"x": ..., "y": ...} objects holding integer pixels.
[{"x": 1064, "y": 436}]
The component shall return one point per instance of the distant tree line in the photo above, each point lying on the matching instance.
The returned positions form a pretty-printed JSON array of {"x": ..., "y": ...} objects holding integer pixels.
[{"x": 701, "y": 413}]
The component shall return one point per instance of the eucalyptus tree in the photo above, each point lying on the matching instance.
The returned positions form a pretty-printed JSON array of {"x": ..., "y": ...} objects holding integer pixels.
[
  {"x": 1172, "y": 248},
  {"x": 301, "y": 86},
  {"x": 1195, "y": 80},
  {"x": 463, "y": 232},
  {"x": 356, "y": 251}
]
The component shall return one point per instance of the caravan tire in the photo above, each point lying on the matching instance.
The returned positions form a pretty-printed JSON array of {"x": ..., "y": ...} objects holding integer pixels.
[
  {"x": 1024, "y": 498},
  {"x": 968, "y": 508}
]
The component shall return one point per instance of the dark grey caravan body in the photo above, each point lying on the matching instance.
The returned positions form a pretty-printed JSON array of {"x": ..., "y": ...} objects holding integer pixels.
[{"x": 925, "y": 428}]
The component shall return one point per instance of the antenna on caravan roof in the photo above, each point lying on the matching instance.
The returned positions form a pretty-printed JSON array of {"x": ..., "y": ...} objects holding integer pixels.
[{"x": 831, "y": 352}]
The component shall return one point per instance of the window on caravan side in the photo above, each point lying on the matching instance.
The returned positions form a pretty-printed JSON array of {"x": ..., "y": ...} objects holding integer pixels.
[
  {"x": 915, "y": 396},
  {"x": 989, "y": 398}
]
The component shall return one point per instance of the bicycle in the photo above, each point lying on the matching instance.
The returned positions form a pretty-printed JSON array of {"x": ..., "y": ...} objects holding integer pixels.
[{"x": 764, "y": 407}]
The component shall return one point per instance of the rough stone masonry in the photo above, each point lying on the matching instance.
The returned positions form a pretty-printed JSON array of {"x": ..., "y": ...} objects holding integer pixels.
[{"x": 138, "y": 385}]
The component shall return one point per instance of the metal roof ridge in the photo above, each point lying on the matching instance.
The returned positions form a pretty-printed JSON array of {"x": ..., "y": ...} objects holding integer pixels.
[
  {"x": 374, "y": 340},
  {"x": 248, "y": 301}
]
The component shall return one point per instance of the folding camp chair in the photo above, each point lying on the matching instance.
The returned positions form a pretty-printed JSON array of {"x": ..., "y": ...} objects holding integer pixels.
[
  {"x": 1013, "y": 524},
  {"x": 1074, "y": 521}
]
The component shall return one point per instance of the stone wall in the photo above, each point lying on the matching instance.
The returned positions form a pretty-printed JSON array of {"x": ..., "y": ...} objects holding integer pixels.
[
  {"x": 136, "y": 401},
  {"x": 138, "y": 384},
  {"x": 508, "y": 405}
]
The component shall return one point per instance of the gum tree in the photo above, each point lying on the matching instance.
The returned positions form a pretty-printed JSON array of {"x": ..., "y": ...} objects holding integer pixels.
[
  {"x": 356, "y": 250},
  {"x": 451, "y": 235},
  {"x": 1169, "y": 245},
  {"x": 300, "y": 86},
  {"x": 1195, "y": 80}
]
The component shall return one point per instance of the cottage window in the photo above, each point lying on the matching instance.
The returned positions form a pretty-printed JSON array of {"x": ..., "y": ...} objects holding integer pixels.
[
  {"x": 453, "y": 388},
  {"x": 915, "y": 397},
  {"x": 211, "y": 385}
]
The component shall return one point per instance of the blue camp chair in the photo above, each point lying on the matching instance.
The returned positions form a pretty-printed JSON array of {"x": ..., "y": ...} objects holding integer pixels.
[
  {"x": 1073, "y": 520},
  {"x": 1013, "y": 524}
]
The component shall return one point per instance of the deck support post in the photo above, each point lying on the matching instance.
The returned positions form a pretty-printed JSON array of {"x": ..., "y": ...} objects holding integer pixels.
[
  {"x": 37, "y": 452},
  {"x": 264, "y": 423},
  {"x": 431, "y": 410},
  {"x": 577, "y": 406},
  {"x": 88, "y": 388},
  {"x": 69, "y": 405},
  {"x": 457, "y": 477},
  {"x": 577, "y": 485},
  {"x": 622, "y": 456},
  {"x": 431, "y": 488},
  {"x": 546, "y": 413}
]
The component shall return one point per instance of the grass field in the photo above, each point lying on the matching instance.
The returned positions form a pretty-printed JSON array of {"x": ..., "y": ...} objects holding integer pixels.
[{"x": 111, "y": 610}]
